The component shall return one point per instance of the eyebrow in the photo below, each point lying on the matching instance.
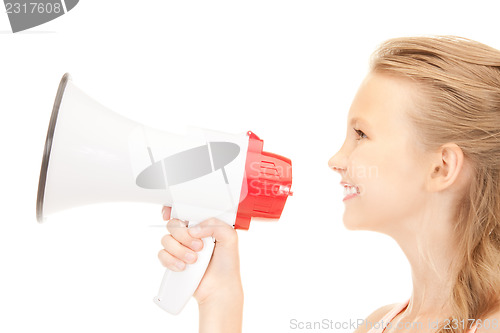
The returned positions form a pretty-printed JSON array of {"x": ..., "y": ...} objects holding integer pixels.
[{"x": 361, "y": 120}]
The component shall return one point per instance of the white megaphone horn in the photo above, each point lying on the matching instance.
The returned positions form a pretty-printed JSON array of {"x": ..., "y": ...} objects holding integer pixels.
[{"x": 94, "y": 155}]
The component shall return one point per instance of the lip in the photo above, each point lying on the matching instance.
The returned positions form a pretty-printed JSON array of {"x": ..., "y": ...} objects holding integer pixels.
[{"x": 350, "y": 196}]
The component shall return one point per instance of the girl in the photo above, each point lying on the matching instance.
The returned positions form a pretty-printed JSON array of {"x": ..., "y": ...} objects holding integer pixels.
[{"x": 420, "y": 163}]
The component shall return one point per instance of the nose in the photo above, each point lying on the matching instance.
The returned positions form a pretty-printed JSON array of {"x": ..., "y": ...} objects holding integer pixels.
[{"x": 337, "y": 162}]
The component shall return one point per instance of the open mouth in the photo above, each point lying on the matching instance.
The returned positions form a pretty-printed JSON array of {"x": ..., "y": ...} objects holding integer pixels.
[{"x": 350, "y": 191}]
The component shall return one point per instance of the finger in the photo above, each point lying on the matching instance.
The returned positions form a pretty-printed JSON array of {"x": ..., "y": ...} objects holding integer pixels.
[
  {"x": 165, "y": 212},
  {"x": 179, "y": 251},
  {"x": 222, "y": 232},
  {"x": 170, "y": 262},
  {"x": 178, "y": 229}
]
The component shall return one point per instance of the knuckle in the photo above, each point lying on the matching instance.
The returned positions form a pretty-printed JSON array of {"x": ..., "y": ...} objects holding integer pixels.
[
  {"x": 170, "y": 262},
  {"x": 165, "y": 239},
  {"x": 164, "y": 257},
  {"x": 175, "y": 224},
  {"x": 180, "y": 234},
  {"x": 176, "y": 265},
  {"x": 172, "y": 222},
  {"x": 213, "y": 221}
]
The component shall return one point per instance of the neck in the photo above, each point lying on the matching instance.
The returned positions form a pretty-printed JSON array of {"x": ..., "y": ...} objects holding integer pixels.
[
  {"x": 430, "y": 249},
  {"x": 432, "y": 277}
]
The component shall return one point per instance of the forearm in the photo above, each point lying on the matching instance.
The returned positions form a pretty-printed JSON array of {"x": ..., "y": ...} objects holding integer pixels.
[{"x": 223, "y": 314}]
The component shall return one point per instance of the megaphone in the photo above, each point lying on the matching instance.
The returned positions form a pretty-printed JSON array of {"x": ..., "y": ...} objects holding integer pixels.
[{"x": 94, "y": 155}]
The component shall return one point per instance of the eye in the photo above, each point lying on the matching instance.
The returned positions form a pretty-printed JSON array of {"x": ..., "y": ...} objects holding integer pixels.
[{"x": 361, "y": 134}]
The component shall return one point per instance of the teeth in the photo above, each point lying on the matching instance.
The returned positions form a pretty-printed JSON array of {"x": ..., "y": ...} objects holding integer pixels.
[{"x": 348, "y": 190}]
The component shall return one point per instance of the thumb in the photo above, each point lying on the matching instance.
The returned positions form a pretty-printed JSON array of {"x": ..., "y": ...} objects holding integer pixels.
[{"x": 223, "y": 233}]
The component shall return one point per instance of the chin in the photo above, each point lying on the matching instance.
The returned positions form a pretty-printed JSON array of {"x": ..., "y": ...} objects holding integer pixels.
[
  {"x": 354, "y": 224},
  {"x": 361, "y": 224}
]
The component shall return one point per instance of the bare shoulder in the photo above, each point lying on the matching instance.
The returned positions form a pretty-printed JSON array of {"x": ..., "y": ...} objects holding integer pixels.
[
  {"x": 376, "y": 316},
  {"x": 490, "y": 324}
]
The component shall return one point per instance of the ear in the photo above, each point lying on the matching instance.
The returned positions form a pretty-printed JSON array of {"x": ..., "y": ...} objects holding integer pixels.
[{"x": 446, "y": 166}]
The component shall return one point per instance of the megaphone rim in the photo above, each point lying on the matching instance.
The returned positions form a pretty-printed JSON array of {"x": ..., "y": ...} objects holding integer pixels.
[{"x": 48, "y": 146}]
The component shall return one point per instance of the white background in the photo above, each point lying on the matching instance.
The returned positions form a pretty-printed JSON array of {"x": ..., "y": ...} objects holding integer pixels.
[{"x": 287, "y": 70}]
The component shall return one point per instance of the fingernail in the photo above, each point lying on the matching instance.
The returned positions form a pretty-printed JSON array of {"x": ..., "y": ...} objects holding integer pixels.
[
  {"x": 189, "y": 257},
  {"x": 196, "y": 245},
  {"x": 179, "y": 265},
  {"x": 163, "y": 211}
]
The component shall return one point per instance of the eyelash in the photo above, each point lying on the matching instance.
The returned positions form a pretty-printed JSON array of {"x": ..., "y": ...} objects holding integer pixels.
[{"x": 360, "y": 133}]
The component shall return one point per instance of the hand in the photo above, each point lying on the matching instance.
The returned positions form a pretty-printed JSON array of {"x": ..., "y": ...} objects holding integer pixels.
[{"x": 222, "y": 280}]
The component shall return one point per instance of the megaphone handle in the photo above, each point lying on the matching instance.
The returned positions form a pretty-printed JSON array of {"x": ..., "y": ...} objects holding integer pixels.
[{"x": 177, "y": 287}]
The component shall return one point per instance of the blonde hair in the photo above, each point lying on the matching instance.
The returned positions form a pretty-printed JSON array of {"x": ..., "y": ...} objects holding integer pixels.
[{"x": 460, "y": 81}]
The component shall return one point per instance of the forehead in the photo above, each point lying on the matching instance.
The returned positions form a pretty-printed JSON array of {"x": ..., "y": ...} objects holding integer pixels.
[{"x": 381, "y": 103}]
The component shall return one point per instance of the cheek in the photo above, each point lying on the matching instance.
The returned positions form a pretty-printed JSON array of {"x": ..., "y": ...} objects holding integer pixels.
[{"x": 390, "y": 189}]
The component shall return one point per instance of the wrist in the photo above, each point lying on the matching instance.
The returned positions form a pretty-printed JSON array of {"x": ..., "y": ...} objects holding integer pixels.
[
  {"x": 224, "y": 295},
  {"x": 222, "y": 312}
]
